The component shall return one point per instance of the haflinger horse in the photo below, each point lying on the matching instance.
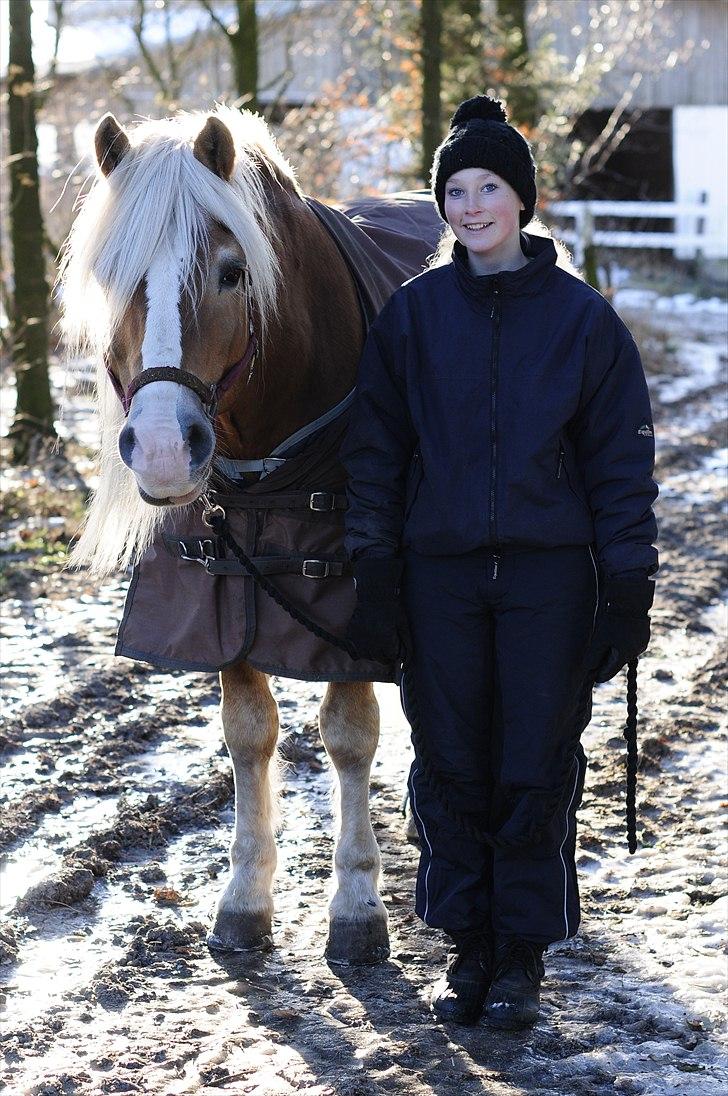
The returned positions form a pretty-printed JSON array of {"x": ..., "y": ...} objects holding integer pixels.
[
  {"x": 196, "y": 261},
  {"x": 194, "y": 231}
]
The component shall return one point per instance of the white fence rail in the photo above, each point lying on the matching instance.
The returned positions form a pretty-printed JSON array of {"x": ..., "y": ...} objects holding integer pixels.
[{"x": 584, "y": 233}]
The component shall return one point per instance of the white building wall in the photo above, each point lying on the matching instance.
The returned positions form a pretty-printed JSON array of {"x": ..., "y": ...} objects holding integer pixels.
[
  {"x": 682, "y": 58},
  {"x": 700, "y": 164}
]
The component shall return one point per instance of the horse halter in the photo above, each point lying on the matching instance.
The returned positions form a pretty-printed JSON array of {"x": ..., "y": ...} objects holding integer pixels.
[{"x": 209, "y": 394}]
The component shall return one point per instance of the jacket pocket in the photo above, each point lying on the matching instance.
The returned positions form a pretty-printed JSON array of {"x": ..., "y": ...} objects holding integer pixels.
[
  {"x": 562, "y": 472},
  {"x": 414, "y": 481}
]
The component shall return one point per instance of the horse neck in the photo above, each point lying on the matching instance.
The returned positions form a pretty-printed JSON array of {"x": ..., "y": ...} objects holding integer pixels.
[{"x": 309, "y": 360}]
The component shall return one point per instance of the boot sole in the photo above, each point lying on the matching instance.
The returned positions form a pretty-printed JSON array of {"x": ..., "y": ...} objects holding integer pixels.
[
  {"x": 466, "y": 1019},
  {"x": 505, "y": 1019},
  {"x": 509, "y": 1025}
]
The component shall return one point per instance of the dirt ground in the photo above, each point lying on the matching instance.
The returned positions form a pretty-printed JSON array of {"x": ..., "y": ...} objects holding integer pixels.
[{"x": 117, "y": 812}]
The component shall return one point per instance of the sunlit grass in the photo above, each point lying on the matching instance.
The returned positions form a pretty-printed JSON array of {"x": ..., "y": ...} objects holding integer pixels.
[{"x": 42, "y": 510}]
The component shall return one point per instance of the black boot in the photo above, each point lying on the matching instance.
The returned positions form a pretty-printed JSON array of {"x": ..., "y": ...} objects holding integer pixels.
[
  {"x": 515, "y": 994},
  {"x": 459, "y": 995}
]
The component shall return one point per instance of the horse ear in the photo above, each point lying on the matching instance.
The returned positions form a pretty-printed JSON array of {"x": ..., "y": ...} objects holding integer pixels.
[
  {"x": 111, "y": 143},
  {"x": 215, "y": 148}
]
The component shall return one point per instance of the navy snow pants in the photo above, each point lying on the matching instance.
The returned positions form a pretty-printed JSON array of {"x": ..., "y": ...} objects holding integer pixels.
[{"x": 497, "y": 645}]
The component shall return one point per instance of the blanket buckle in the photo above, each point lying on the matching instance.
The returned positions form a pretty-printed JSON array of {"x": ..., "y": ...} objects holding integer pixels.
[
  {"x": 315, "y": 568},
  {"x": 321, "y": 501}
]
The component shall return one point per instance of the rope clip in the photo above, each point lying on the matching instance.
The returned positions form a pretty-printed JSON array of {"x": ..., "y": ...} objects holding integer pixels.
[{"x": 213, "y": 514}]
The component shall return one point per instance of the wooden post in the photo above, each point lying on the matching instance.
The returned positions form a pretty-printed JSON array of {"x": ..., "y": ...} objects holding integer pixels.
[
  {"x": 588, "y": 253},
  {"x": 583, "y": 226},
  {"x": 700, "y": 231}
]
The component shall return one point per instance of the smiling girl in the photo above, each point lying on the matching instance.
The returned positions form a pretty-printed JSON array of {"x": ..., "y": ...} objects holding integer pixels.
[
  {"x": 483, "y": 212},
  {"x": 500, "y": 453}
]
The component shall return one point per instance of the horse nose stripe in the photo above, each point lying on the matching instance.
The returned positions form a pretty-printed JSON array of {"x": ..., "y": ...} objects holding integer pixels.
[{"x": 163, "y": 331}]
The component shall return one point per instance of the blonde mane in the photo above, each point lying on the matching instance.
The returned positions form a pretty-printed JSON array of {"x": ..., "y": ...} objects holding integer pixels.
[{"x": 159, "y": 197}]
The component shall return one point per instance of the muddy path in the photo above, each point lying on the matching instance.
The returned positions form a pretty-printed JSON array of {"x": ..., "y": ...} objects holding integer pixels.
[{"x": 117, "y": 812}]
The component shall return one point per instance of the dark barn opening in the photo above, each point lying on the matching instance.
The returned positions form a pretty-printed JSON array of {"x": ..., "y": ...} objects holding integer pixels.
[{"x": 639, "y": 169}]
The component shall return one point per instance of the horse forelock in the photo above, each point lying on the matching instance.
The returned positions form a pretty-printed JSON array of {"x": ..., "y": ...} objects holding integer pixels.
[
  {"x": 161, "y": 198},
  {"x": 159, "y": 201}
]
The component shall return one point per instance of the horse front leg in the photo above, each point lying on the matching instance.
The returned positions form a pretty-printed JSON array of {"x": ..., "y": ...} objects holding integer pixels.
[
  {"x": 349, "y": 724},
  {"x": 250, "y": 724}
]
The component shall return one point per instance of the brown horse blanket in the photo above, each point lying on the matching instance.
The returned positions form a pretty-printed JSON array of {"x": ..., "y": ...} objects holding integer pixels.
[{"x": 190, "y": 606}]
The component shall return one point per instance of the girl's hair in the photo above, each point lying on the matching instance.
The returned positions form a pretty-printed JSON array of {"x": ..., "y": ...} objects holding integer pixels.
[{"x": 443, "y": 251}]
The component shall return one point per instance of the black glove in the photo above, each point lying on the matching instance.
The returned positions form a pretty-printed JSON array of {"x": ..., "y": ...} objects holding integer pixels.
[
  {"x": 623, "y": 627},
  {"x": 377, "y": 622}
]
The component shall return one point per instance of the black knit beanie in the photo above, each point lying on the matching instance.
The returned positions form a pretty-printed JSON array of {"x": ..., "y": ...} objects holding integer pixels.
[{"x": 480, "y": 136}]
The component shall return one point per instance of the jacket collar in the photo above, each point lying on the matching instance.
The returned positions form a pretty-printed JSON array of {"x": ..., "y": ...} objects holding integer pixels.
[{"x": 530, "y": 279}]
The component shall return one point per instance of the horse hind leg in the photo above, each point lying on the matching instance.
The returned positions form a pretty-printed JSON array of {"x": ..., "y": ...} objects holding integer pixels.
[
  {"x": 250, "y": 724},
  {"x": 349, "y": 724}
]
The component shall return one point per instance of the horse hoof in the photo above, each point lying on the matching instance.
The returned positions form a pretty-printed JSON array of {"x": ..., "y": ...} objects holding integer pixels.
[
  {"x": 357, "y": 943},
  {"x": 240, "y": 932}
]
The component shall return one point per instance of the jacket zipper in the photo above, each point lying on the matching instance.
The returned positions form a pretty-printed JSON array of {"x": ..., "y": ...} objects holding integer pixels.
[
  {"x": 415, "y": 470},
  {"x": 495, "y": 315},
  {"x": 562, "y": 467}
]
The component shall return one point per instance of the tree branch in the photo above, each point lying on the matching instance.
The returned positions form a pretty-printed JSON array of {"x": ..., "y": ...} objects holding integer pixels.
[
  {"x": 214, "y": 17},
  {"x": 59, "y": 13},
  {"x": 174, "y": 82},
  {"x": 151, "y": 63}
]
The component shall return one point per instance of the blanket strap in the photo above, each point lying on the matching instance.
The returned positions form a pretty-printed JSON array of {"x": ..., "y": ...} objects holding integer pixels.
[{"x": 320, "y": 502}]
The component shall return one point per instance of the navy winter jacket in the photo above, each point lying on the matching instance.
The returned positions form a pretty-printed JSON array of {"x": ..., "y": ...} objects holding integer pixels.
[{"x": 505, "y": 409}]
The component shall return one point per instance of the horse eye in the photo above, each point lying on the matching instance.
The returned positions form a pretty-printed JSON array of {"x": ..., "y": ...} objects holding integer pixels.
[{"x": 231, "y": 277}]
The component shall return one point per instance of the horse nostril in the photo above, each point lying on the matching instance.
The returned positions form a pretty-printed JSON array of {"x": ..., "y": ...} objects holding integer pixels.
[
  {"x": 127, "y": 440},
  {"x": 201, "y": 440},
  {"x": 195, "y": 436}
]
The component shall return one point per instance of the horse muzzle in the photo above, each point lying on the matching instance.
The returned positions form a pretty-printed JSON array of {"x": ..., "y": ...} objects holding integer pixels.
[{"x": 168, "y": 443}]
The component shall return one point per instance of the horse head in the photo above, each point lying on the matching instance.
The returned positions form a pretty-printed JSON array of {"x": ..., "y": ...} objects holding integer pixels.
[
  {"x": 219, "y": 311},
  {"x": 186, "y": 334}
]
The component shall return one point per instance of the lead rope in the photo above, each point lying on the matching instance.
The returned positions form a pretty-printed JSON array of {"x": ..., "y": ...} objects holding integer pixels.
[
  {"x": 630, "y": 734},
  {"x": 215, "y": 518}
]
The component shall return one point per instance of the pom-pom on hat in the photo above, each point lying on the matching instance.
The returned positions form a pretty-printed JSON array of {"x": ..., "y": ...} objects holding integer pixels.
[{"x": 480, "y": 136}]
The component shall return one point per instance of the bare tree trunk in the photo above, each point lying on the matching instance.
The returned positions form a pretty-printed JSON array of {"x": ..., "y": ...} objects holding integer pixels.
[
  {"x": 522, "y": 97},
  {"x": 245, "y": 54},
  {"x": 34, "y": 409},
  {"x": 242, "y": 37},
  {"x": 465, "y": 67},
  {"x": 431, "y": 38}
]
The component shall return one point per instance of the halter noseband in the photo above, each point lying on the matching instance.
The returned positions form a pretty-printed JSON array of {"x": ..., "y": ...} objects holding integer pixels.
[{"x": 209, "y": 394}]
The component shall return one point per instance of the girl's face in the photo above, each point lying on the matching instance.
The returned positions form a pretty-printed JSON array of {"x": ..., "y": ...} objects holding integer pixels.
[{"x": 482, "y": 210}]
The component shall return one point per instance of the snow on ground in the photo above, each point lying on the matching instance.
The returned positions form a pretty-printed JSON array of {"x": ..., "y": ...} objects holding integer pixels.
[{"x": 685, "y": 304}]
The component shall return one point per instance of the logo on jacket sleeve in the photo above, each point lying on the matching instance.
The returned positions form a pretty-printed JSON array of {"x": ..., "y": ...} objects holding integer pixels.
[{"x": 646, "y": 430}]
